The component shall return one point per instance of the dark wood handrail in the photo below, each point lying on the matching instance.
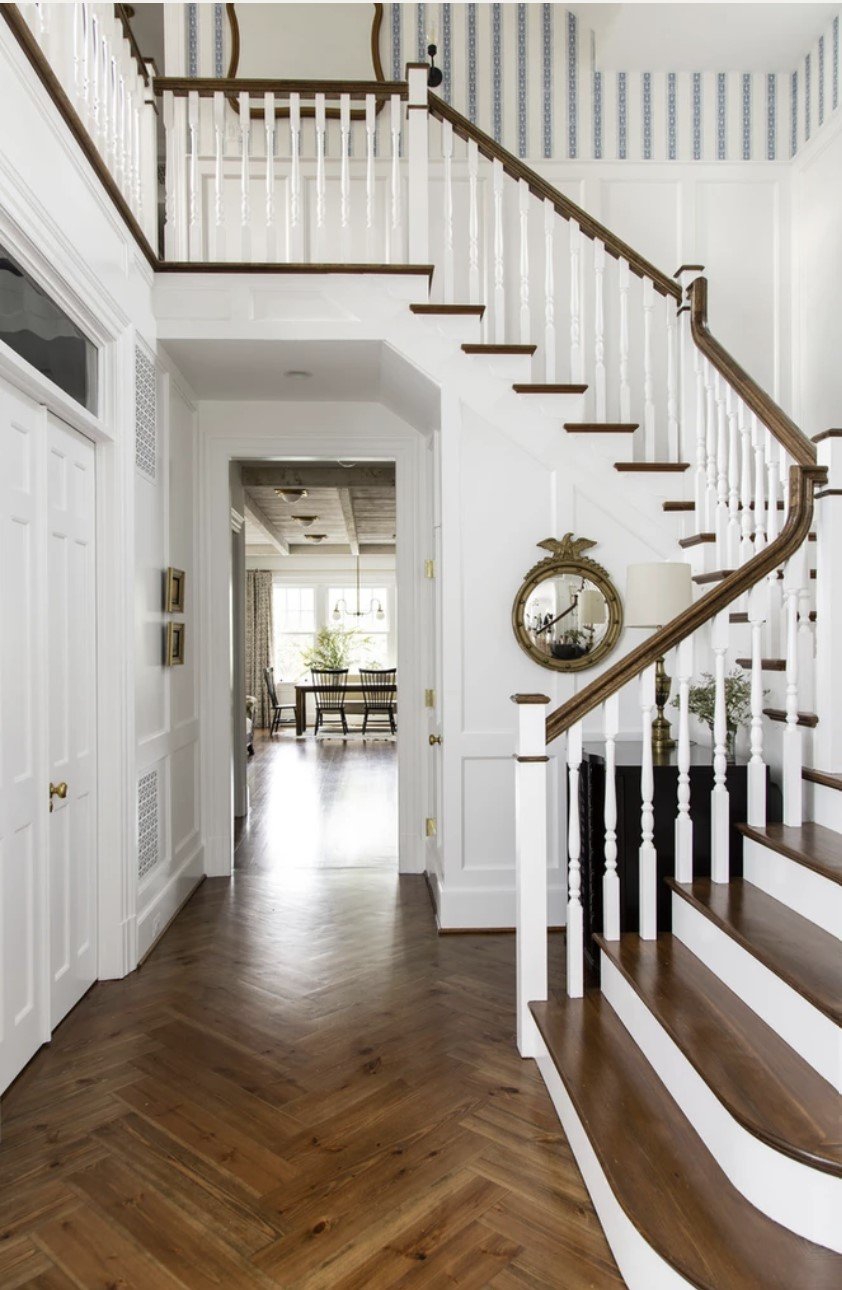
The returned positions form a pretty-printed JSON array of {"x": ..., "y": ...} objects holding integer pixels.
[
  {"x": 540, "y": 188},
  {"x": 207, "y": 86},
  {"x": 800, "y": 448},
  {"x": 125, "y": 22}
]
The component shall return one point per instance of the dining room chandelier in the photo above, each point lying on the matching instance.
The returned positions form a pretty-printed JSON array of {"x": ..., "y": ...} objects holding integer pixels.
[{"x": 375, "y": 607}]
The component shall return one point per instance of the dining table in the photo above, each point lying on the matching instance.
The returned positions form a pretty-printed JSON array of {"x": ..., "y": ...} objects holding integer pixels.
[{"x": 302, "y": 689}]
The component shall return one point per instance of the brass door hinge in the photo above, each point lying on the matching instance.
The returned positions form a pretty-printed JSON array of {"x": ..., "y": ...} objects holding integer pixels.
[
  {"x": 429, "y": 568},
  {"x": 429, "y": 698},
  {"x": 430, "y": 828}
]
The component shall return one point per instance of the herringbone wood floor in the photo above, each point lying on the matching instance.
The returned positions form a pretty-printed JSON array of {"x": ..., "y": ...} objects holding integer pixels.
[{"x": 303, "y": 1086}]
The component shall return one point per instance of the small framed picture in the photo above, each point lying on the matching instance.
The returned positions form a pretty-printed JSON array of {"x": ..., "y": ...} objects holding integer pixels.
[
  {"x": 174, "y": 597},
  {"x": 175, "y": 644}
]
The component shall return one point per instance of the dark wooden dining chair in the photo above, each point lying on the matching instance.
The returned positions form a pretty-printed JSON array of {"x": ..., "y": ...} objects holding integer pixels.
[
  {"x": 380, "y": 694},
  {"x": 329, "y": 687},
  {"x": 277, "y": 708}
]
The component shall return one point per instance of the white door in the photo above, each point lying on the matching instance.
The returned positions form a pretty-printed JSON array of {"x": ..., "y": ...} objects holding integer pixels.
[
  {"x": 71, "y": 715},
  {"x": 23, "y": 1014}
]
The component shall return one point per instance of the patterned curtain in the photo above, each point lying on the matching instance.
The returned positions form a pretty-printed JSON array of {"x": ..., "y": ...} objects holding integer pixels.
[{"x": 259, "y": 640}]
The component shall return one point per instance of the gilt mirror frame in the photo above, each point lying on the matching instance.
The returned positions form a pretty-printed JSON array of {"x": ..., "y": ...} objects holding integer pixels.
[
  {"x": 331, "y": 113},
  {"x": 566, "y": 558}
]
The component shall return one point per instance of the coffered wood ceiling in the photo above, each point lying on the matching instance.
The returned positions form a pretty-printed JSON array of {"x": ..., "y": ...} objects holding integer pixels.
[{"x": 355, "y": 506}]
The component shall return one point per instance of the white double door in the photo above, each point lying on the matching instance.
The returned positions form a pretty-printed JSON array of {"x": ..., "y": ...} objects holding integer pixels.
[{"x": 48, "y": 932}]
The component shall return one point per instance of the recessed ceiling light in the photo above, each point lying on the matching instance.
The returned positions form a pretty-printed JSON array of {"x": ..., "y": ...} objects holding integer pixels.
[
  {"x": 297, "y": 374},
  {"x": 314, "y": 537},
  {"x": 291, "y": 494},
  {"x": 304, "y": 520}
]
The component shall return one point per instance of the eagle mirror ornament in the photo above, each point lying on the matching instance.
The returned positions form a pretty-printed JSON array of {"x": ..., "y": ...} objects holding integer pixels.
[{"x": 567, "y": 615}]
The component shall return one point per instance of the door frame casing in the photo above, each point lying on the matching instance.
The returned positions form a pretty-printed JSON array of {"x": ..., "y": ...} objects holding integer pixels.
[{"x": 414, "y": 510}]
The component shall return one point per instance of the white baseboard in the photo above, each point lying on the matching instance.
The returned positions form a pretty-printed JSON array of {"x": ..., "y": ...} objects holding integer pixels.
[
  {"x": 801, "y": 889},
  {"x": 488, "y": 908},
  {"x": 805, "y": 1200},
  {"x": 153, "y": 921},
  {"x": 790, "y": 1015}
]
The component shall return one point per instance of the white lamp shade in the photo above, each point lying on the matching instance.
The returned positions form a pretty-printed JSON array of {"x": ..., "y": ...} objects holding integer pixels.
[
  {"x": 592, "y": 607},
  {"x": 657, "y": 593}
]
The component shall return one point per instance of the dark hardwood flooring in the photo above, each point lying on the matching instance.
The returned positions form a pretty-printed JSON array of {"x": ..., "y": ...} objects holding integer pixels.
[{"x": 302, "y": 1087}]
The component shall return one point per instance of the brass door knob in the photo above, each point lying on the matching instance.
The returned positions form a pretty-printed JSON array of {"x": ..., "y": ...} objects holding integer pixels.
[
  {"x": 434, "y": 739},
  {"x": 57, "y": 790}
]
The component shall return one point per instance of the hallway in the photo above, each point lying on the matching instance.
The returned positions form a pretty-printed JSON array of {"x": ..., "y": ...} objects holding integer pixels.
[{"x": 303, "y": 1086}]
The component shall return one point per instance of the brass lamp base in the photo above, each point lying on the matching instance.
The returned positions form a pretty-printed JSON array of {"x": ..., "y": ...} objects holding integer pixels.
[{"x": 662, "y": 740}]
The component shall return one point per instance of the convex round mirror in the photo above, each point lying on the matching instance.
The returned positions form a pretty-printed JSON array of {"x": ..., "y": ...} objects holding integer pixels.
[{"x": 567, "y": 614}]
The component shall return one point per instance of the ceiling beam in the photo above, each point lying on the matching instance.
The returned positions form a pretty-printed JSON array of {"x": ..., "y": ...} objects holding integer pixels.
[
  {"x": 316, "y": 476},
  {"x": 347, "y": 506},
  {"x": 256, "y": 516}
]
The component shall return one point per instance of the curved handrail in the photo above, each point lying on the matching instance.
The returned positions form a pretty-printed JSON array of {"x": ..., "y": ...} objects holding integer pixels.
[
  {"x": 206, "y": 86},
  {"x": 804, "y": 476},
  {"x": 545, "y": 191}
]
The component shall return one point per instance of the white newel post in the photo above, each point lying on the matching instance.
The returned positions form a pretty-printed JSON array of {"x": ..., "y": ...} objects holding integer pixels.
[
  {"x": 530, "y": 863},
  {"x": 418, "y": 215}
]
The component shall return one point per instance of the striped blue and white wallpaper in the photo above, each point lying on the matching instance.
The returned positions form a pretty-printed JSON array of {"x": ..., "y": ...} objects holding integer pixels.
[{"x": 529, "y": 75}]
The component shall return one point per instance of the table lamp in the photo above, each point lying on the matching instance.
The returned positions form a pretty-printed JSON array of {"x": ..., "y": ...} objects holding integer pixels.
[
  {"x": 593, "y": 611},
  {"x": 655, "y": 594}
]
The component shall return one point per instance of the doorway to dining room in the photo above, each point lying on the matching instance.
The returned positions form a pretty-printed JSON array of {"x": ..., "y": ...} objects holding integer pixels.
[{"x": 315, "y": 658}]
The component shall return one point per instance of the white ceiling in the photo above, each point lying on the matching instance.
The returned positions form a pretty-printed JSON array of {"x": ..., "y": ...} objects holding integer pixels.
[{"x": 703, "y": 37}]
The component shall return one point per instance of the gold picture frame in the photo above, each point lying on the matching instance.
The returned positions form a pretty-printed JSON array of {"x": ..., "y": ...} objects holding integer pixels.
[
  {"x": 174, "y": 591},
  {"x": 174, "y": 648},
  {"x": 555, "y": 644}
]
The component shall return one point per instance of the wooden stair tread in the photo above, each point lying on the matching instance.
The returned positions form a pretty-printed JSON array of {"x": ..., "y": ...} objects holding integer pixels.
[
  {"x": 796, "y": 950},
  {"x": 470, "y": 348},
  {"x": 767, "y": 664},
  {"x": 698, "y": 539},
  {"x": 678, "y": 506},
  {"x": 536, "y": 387},
  {"x": 701, "y": 579},
  {"x": 830, "y": 779},
  {"x": 652, "y": 467},
  {"x": 760, "y": 1080},
  {"x": 600, "y": 427},
  {"x": 812, "y": 845},
  {"x": 476, "y": 311},
  {"x": 738, "y": 616},
  {"x": 660, "y": 1172},
  {"x": 804, "y": 718}
]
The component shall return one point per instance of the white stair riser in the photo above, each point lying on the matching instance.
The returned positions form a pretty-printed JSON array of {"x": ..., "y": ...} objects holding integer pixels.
[
  {"x": 505, "y": 367},
  {"x": 823, "y": 805},
  {"x": 799, "y": 888},
  {"x": 462, "y": 328},
  {"x": 791, "y": 1016},
  {"x": 641, "y": 1267},
  {"x": 805, "y": 1200}
]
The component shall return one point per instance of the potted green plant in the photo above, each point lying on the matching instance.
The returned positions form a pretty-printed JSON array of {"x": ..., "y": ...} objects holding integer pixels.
[
  {"x": 701, "y": 703},
  {"x": 335, "y": 647}
]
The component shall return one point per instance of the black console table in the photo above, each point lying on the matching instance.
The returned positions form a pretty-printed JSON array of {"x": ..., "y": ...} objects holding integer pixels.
[{"x": 591, "y": 815}]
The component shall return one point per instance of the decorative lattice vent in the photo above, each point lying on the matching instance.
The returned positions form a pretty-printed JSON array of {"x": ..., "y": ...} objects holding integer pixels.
[
  {"x": 148, "y": 841},
  {"x": 146, "y": 414}
]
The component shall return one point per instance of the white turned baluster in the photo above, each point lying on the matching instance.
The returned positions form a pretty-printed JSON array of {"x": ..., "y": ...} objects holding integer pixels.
[
  {"x": 447, "y": 152},
  {"x": 95, "y": 63},
  {"x": 794, "y": 573},
  {"x": 746, "y": 458},
  {"x": 344, "y": 177},
  {"x": 523, "y": 213},
  {"x": 321, "y": 191},
  {"x": 774, "y": 488},
  {"x": 683, "y": 819},
  {"x": 473, "y": 224},
  {"x": 175, "y": 228},
  {"x": 719, "y": 798},
  {"x": 114, "y": 113},
  {"x": 499, "y": 311},
  {"x": 531, "y": 858},
  {"x": 700, "y": 481},
  {"x": 194, "y": 228},
  {"x": 549, "y": 292},
  {"x": 721, "y": 526},
  {"x": 86, "y": 89},
  {"x": 370, "y": 127},
  {"x": 269, "y": 144},
  {"x": 758, "y": 438},
  {"x": 218, "y": 251},
  {"x": 610, "y": 878},
  {"x": 245, "y": 178},
  {"x": 650, "y": 452},
  {"x": 775, "y": 627},
  {"x": 575, "y": 246},
  {"x": 295, "y": 248},
  {"x": 599, "y": 329},
  {"x": 647, "y": 857},
  {"x": 673, "y": 438},
  {"x": 394, "y": 247},
  {"x": 710, "y": 449},
  {"x": 575, "y": 923},
  {"x": 121, "y": 168},
  {"x": 806, "y": 647},
  {"x": 733, "y": 543},
  {"x": 79, "y": 53},
  {"x": 756, "y": 773},
  {"x": 625, "y": 388}
]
